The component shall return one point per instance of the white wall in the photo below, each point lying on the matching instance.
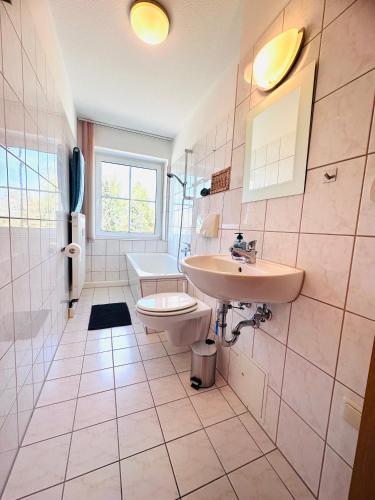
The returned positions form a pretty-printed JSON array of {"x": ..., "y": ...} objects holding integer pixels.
[
  {"x": 46, "y": 30},
  {"x": 212, "y": 108},
  {"x": 256, "y": 16},
  {"x": 132, "y": 142}
]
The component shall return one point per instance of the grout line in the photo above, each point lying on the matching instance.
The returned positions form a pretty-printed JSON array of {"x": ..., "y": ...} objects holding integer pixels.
[
  {"x": 116, "y": 410},
  {"x": 337, "y": 89},
  {"x": 339, "y": 15},
  {"x": 346, "y": 298},
  {"x": 162, "y": 432},
  {"x": 71, "y": 435}
]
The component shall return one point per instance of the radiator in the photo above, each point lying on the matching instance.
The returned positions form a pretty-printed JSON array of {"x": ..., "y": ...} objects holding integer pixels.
[{"x": 78, "y": 263}]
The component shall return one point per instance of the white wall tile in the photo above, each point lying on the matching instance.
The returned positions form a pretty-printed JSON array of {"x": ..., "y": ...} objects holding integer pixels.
[
  {"x": 301, "y": 446},
  {"x": 308, "y": 391},
  {"x": 336, "y": 477},
  {"x": 314, "y": 332},
  {"x": 341, "y": 435},
  {"x": 355, "y": 352}
]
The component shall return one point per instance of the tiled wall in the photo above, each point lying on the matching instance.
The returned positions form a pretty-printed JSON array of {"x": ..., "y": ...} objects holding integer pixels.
[
  {"x": 316, "y": 350},
  {"x": 35, "y": 141},
  {"x": 106, "y": 260}
]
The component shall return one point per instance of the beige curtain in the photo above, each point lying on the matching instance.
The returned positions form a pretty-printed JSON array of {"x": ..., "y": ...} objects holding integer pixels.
[{"x": 89, "y": 198}]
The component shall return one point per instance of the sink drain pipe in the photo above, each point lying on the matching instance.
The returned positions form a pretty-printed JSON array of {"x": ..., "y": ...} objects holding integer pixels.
[{"x": 263, "y": 313}]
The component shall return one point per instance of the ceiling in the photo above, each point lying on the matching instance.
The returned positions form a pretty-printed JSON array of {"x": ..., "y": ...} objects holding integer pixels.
[{"x": 119, "y": 80}]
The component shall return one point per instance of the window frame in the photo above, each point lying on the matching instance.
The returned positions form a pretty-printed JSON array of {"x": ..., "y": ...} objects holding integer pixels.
[{"x": 129, "y": 160}]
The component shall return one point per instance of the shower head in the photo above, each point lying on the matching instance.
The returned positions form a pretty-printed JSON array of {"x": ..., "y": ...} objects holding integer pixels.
[{"x": 170, "y": 175}]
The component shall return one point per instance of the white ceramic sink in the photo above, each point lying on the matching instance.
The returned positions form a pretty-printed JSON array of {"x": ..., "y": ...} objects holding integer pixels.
[{"x": 226, "y": 279}]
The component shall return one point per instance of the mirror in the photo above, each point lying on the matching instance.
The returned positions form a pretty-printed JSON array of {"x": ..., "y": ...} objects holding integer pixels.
[{"x": 277, "y": 139}]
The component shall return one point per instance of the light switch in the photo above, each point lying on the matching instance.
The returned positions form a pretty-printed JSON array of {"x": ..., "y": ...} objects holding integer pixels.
[
  {"x": 372, "y": 190},
  {"x": 352, "y": 413}
]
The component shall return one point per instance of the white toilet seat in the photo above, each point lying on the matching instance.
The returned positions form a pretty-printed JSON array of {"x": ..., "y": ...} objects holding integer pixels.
[
  {"x": 167, "y": 304},
  {"x": 184, "y": 318}
]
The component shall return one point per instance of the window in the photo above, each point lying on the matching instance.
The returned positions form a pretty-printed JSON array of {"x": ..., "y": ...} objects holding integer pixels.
[{"x": 128, "y": 196}]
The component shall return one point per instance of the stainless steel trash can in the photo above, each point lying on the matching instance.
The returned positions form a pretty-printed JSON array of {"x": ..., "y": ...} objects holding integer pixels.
[{"x": 203, "y": 363}]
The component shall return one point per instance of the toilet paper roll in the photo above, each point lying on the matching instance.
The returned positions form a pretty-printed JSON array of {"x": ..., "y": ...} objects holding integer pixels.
[{"x": 72, "y": 250}]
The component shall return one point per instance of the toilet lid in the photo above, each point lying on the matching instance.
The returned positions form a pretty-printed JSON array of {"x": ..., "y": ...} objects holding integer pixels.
[{"x": 162, "y": 303}]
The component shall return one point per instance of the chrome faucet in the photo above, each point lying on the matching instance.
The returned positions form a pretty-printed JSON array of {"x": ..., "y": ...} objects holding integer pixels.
[
  {"x": 187, "y": 248},
  {"x": 247, "y": 254}
]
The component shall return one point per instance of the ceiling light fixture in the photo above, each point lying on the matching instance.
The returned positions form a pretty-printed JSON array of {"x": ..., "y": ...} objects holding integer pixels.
[
  {"x": 273, "y": 62},
  {"x": 149, "y": 21}
]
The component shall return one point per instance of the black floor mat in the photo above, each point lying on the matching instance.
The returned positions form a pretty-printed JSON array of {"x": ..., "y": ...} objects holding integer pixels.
[{"x": 109, "y": 316}]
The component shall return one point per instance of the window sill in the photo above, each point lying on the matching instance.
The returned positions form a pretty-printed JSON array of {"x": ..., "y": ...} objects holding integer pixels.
[{"x": 120, "y": 236}]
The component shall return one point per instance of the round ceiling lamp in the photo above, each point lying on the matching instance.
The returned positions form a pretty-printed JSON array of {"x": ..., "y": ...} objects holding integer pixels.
[
  {"x": 273, "y": 62},
  {"x": 149, "y": 21}
]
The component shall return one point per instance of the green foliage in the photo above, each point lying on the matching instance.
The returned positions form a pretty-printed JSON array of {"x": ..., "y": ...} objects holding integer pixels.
[{"x": 115, "y": 212}]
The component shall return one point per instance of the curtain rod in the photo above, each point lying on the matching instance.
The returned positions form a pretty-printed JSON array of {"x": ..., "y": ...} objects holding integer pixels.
[{"x": 133, "y": 131}]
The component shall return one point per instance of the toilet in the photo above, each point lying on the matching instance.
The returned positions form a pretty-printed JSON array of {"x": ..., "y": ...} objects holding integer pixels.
[{"x": 185, "y": 319}]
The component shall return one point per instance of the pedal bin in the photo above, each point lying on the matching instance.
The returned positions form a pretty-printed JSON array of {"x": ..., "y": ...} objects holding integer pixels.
[{"x": 203, "y": 363}]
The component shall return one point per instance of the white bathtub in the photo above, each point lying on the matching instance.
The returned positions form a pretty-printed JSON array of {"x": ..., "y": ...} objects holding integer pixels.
[
  {"x": 151, "y": 273},
  {"x": 153, "y": 265}
]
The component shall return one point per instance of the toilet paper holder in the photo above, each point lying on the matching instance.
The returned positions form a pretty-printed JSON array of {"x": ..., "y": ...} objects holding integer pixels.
[{"x": 72, "y": 250}]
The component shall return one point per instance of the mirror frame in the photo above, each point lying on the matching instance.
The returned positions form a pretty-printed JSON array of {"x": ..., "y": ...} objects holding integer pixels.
[{"x": 303, "y": 79}]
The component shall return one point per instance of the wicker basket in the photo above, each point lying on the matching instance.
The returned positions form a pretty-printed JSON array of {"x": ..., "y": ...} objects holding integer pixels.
[{"x": 220, "y": 181}]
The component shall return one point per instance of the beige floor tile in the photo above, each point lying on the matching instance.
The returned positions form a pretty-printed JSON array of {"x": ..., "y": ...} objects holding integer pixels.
[
  {"x": 100, "y": 345},
  {"x": 95, "y": 409},
  {"x": 153, "y": 465},
  {"x": 220, "y": 489},
  {"x": 258, "y": 481},
  {"x": 167, "y": 389},
  {"x": 129, "y": 374},
  {"x": 99, "y": 334},
  {"x": 70, "y": 338},
  {"x": 98, "y": 361},
  {"x": 194, "y": 461},
  {"x": 50, "y": 421},
  {"x": 151, "y": 351},
  {"x": 38, "y": 466},
  {"x": 92, "y": 382},
  {"x": 133, "y": 398},
  {"x": 53, "y": 493},
  {"x": 233, "y": 444},
  {"x": 257, "y": 433},
  {"x": 126, "y": 356},
  {"x": 234, "y": 401},
  {"x": 174, "y": 349},
  {"x": 288, "y": 476},
  {"x": 56, "y": 391},
  {"x": 182, "y": 361},
  {"x": 70, "y": 350},
  {"x": 219, "y": 380},
  {"x": 65, "y": 368},
  {"x": 101, "y": 484},
  {"x": 178, "y": 418},
  {"x": 92, "y": 448},
  {"x": 124, "y": 341},
  {"x": 158, "y": 367},
  {"x": 211, "y": 407},
  {"x": 139, "y": 432},
  {"x": 147, "y": 338},
  {"x": 118, "y": 331}
]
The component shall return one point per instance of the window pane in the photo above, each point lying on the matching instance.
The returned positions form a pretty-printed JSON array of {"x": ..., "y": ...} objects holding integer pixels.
[
  {"x": 142, "y": 217},
  {"x": 115, "y": 180},
  {"x": 115, "y": 215},
  {"x": 143, "y": 184}
]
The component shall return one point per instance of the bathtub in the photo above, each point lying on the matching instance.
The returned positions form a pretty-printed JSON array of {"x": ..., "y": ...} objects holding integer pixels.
[{"x": 151, "y": 273}]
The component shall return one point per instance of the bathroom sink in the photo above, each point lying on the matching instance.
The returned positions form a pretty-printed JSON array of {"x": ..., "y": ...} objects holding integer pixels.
[{"x": 226, "y": 279}]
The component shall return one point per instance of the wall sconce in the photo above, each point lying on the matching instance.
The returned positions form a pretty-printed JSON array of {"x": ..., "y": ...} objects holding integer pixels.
[
  {"x": 274, "y": 61},
  {"x": 149, "y": 21}
]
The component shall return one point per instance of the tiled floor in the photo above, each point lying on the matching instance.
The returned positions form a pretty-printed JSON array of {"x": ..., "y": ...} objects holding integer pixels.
[{"x": 117, "y": 419}]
